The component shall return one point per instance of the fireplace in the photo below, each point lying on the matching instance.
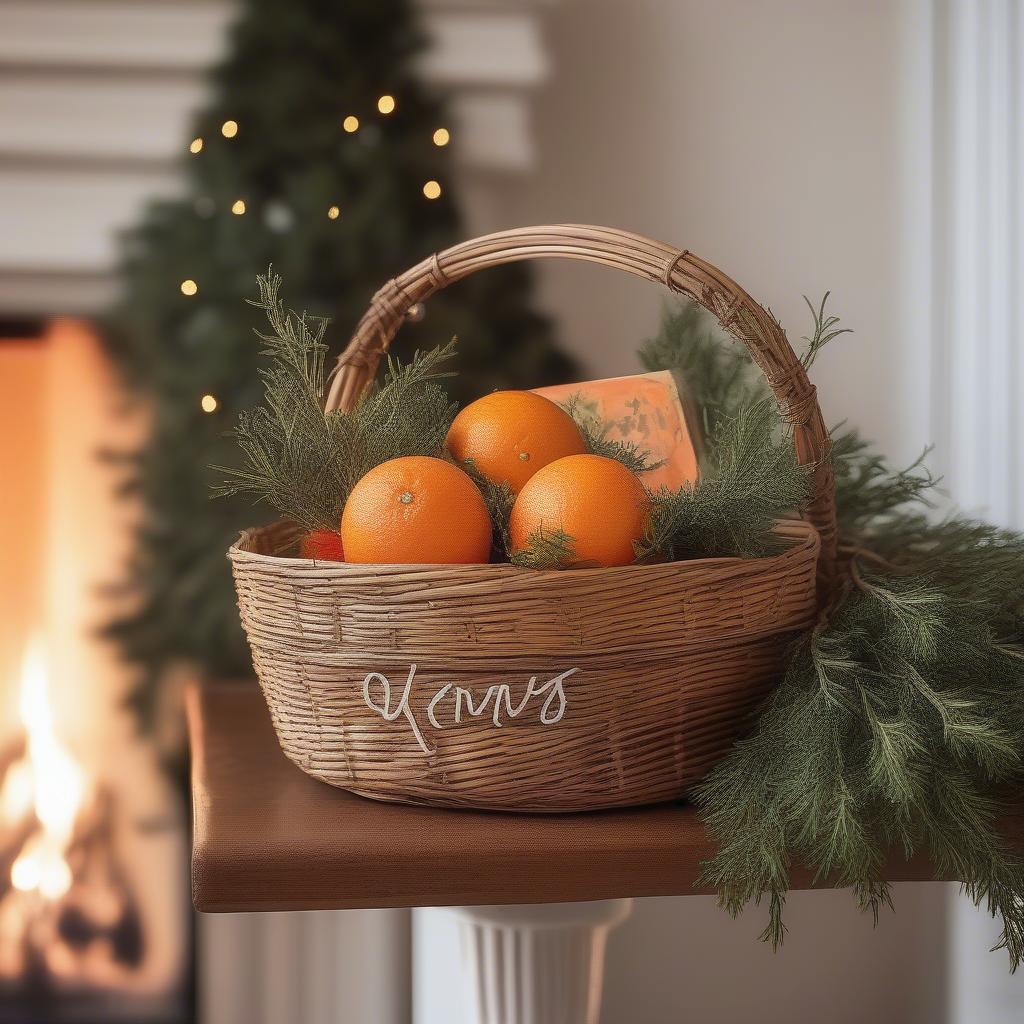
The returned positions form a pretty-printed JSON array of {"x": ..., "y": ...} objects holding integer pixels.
[{"x": 95, "y": 923}]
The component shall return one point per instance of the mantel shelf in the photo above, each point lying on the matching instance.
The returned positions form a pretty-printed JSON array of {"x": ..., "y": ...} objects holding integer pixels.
[{"x": 267, "y": 837}]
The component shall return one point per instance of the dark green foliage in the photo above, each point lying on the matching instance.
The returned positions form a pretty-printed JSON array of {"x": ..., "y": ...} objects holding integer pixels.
[
  {"x": 872, "y": 499},
  {"x": 751, "y": 480},
  {"x": 547, "y": 549},
  {"x": 894, "y": 726},
  {"x": 595, "y": 436},
  {"x": 499, "y": 498},
  {"x": 303, "y": 463},
  {"x": 825, "y": 330},
  {"x": 749, "y": 473},
  {"x": 715, "y": 371},
  {"x": 294, "y": 70},
  {"x": 900, "y": 721}
]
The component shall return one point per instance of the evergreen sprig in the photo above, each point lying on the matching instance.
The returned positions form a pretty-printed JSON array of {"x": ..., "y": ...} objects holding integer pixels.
[
  {"x": 716, "y": 372},
  {"x": 752, "y": 480},
  {"x": 825, "y": 330},
  {"x": 595, "y": 436},
  {"x": 546, "y": 549},
  {"x": 499, "y": 499},
  {"x": 895, "y": 726},
  {"x": 899, "y": 723},
  {"x": 304, "y": 463}
]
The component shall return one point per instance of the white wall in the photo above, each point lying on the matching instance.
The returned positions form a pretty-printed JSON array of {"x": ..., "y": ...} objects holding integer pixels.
[
  {"x": 772, "y": 138},
  {"x": 764, "y": 136}
]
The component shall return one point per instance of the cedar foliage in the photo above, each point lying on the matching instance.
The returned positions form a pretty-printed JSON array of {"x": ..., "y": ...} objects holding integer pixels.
[
  {"x": 304, "y": 463},
  {"x": 751, "y": 479},
  {"x": 899, "y": 723},
  {"x": 749, "y": 473},
  {"x": 717, "y": 376},
  {"x": 546, "y": 549},
  {"x": 595, "y": 432}
]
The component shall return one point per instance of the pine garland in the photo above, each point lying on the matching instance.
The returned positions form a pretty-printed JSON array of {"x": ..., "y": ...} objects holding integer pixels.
[
  {"x": 900, "y": 721},
  {"x": 303, "y": 463},
  {"x": 752, "y": 479},
  {"x": 595, "y": 436},
  {"x": 547, "y": 549},
  {"x": 715, "y": 373}
]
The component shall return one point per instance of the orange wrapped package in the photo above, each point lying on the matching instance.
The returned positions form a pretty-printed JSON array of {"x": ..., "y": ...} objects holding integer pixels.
[{"x": 644, "y": 409}]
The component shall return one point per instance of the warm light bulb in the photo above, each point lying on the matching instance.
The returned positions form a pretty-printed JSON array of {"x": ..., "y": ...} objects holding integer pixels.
[
  {"x": 196, "y": 145},
  {"x": 229, "y": 129},
  {"x": 334, "y": 212},
  {"x": 238, "y": 207},
  {"x": 386, "y": 104},
  {"x": 432, "y": 189},
  {"x": 189, "y": 287},
  {"x": 350, "y": 124},
  {"x": 209, "y": 403},
  {"x": 442, "y": 137}
]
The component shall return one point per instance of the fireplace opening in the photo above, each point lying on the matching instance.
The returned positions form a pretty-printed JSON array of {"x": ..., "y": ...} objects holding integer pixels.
[
  {"x": 95, "y": 918},
  {"x": 73, "y": 940}
]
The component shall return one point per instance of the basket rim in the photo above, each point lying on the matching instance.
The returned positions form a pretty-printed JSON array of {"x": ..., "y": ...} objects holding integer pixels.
[{"x": 803, "y": 534}]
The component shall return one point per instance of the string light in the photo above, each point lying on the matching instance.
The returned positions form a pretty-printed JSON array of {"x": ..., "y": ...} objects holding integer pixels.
[
  {"x": 432, "y": 189},
  {"x": 209, "y": 403},
  {"x": 386, "y": 104},
  {"x": 229, "y": 129},
  {"x": 416, "y": 313},
  {"x": 442, "y": 137},
  {"x": 238, "y": 207},
  {"x": 189, "y": 287},
  {"x": 350, "y": 124},
  {"x": 334, "y": 212},
  {"x": 196, "y": 145},
  {"x": 278, "y": 216}
]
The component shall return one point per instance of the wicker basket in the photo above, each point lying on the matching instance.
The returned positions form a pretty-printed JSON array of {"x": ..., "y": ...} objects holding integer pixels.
[{"x": 496, "y": 687}]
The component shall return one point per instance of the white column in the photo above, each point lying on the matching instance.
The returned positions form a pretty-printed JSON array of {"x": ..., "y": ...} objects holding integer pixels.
[{"x": 536, "y": 964}]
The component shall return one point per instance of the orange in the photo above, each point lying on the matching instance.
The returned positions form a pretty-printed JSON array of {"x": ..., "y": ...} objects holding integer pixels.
[
  {"x": 416, "y": 511},
  {"x": 510, "y": 435},
  {"x": 597, "y": 501}
]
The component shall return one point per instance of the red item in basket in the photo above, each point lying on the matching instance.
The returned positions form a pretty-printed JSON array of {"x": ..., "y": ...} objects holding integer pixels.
[{"x": 324, "y": 545}]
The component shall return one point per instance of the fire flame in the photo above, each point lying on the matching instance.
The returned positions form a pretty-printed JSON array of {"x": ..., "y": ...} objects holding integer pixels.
[{"x": 47, "y": 782}]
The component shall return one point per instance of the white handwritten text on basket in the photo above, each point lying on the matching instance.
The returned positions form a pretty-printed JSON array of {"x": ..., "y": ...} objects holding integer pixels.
[{"x": 459, "y": 700}]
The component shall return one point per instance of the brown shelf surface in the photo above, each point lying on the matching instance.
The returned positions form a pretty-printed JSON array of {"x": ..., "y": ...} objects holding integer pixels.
[{"x": 267, "y": 837}]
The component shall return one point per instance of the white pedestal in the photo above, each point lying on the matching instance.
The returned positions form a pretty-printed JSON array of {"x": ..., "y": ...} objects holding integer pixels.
[{"x": 536, "y": 964}]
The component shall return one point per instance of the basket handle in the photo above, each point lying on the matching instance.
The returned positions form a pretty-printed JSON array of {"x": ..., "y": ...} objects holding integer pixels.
[{"x": 679, "y": 269}]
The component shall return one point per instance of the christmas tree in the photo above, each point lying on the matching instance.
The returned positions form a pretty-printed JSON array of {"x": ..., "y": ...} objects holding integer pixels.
[{"x": 322, "y": 153}]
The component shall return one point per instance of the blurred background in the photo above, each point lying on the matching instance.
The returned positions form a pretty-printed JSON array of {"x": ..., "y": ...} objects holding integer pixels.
[{"x": 156, "y": 154}]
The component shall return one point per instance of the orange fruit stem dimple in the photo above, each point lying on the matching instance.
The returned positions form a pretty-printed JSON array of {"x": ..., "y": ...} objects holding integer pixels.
[
  {"x": 510, "y": 435},
  {"x": 599, "y": 503},
  {"x": 416, "y": 511}
]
